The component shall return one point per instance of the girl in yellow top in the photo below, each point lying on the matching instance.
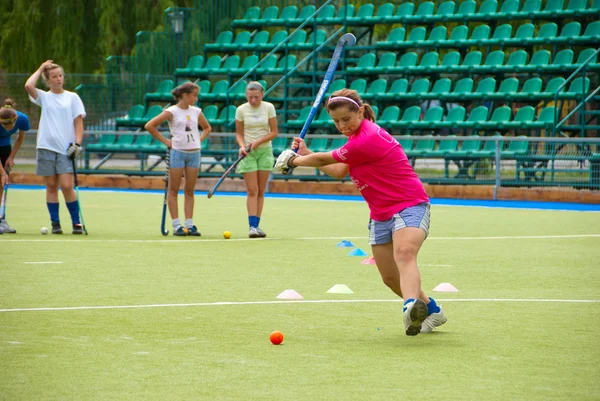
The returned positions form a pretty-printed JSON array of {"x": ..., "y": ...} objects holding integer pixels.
[{"x": 255, "y": 126}]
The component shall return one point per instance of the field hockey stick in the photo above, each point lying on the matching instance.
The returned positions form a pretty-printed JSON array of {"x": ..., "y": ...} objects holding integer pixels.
[
  {"x": 78, "y": 201},
  {"x": 229, "y": 170},
  {"x": 4, "y": 192},
  {"x": 163, "y": 231},
  {"x": 347, "y": 39}
]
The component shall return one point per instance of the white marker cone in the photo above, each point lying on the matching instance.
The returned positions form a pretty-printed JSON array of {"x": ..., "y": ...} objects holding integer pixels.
[
  {"x": 445, "y": 287},
  {"x": 289, "y": 294},
  {"x": 340, "y": 289}
]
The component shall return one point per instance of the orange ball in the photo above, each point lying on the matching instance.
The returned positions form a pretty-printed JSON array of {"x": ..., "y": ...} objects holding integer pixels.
[{"x": 276, "y": 337}]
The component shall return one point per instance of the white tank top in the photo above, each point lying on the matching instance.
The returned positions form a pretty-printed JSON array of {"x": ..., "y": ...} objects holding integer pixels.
[{"x": 184, "y": 127}]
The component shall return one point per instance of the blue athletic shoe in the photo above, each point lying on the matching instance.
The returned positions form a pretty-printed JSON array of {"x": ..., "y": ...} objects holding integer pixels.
[
  {"x": 180, "y": 231},
  {"x": 193, "y": 231}
]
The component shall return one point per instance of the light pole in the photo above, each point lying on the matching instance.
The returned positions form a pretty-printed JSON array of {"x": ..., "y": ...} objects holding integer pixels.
[{"x": 178, "y": 26}]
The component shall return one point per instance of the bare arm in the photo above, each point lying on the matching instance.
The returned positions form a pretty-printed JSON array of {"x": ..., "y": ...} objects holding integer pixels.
[
  {"x": 206, "y": 128},
  {"x": 10, "y": 161},
  {"x": 239, "y": 137},
  {"x": 34, "y": 78},
  {"x": 79, "y": 129},
  {"x": 336, "y": 170},
  {"x": 152, "y": 127},
  {"x": 319, "y": 159}
]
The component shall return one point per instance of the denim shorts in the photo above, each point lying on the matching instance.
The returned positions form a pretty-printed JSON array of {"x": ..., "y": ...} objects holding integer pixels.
[
  {"x": 181, "y": 159},
  {"x": 51, "y": 163},
  {"x": 381, "y": 232}
]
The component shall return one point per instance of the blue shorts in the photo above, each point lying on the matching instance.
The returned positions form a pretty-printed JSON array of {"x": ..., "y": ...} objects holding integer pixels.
[
  {"x": 381, "y": 232},
  {"x": 182, "y": 159}
]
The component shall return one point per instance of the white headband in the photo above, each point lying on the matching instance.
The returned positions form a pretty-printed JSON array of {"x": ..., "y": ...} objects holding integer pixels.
[{"x": 332, "y": 99}]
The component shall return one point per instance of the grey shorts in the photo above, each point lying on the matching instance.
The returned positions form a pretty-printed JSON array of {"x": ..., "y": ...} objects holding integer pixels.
[
  {"x": 180, "y": 159},
  {"x": 381, "y": 232},
  {"x": 50, "y": 163}
]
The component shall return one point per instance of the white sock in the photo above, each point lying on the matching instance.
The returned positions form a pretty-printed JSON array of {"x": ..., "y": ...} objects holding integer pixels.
[
  {"x": 176, "y": 223},
  {"x": 189, "y": 223}
]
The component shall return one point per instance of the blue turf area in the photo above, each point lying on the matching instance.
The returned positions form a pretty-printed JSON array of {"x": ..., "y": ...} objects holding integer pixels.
[{"x": 512, "y": 204}]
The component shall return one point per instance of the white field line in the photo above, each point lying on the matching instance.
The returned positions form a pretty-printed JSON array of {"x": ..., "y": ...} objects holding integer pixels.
[
  {"x": 43, "y": 263},
  {"x": 317, "y": 301},
  {"x": 199, "y": 241}
]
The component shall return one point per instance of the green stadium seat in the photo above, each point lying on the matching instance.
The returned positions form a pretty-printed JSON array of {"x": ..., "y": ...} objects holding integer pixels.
[
  {"x": 397, "y": 90},
  {"x": 422, "y": 147},
  {"x": 386, "y": 63},
  {"x": 458, "y": 35},
  {"x": 375, "y": 111},
  {"x": 443, "y": 13},
  {"x": 163, "y": 92},
  {"x": 552, "y": 87},
  {"x": 436, "y": 36},
  {"x": 218, "y": 91},
  {"x": 376, "y": 89},
  {"x": 493, "y": 61},
  {"x": 523, "y": 116},
  {"x": 335, "y": 86},
  {"x": 466, "y": 149},
  {"x": 411, "y": 116},
  {"x": 123, "y": 141},
  {"x": 563, "y": 61},
  {"x": 231, "y": 63},
  {"x": 553, "y": 9},
  {"x": 471, "y": 61},
  {"x": 314, "y": 40},
  {"x": 462, "y": 88},
  {"x": 395, "y": 39},
  {"x": 499, "y": 38},
  {"x": 224, "y": 38},
  {"x": 227, "y": 114},
  {"x": 516, "y": 60},
  {"x": 252, "y": 13},
  {"x": 433, "y": 116},
  {"x": 280, "y": 144},
  {"x": 133, "y": 116},
  {"x": 276, "y": 39},
  {"x": 359, "y": 85},
  {"x": 500, "y": 116},
  {"x": 269, "y": 14},
  {"x": 365, "y": 63},
  {"x": 323, "y": 120},
  {"x": 531, "y": 89},
  {"x": 140, "y": 144},
  {"x": 384, "y": 14},
  {"x": 418, "y": 89},
  {"x": 269, "y": 63},
  {"x": 579, "y": 87},
  {"x": 247, "y": 65},
  {"x": 480, "y": 35},
  {"x": 286, "y": 63},
  {"x": 241, "y": 39},
  {"x": 508, "y": 8},
  {"x": 546, "y": 35},
  {"x": 299, "y": 122},
  {"x": 345, "y": 11},
  {"x": 289, "y": 13},
  {"x": 304, "y": 15},
  {"x": 405, "y": 141},
  {"x": 365, "y": 11},
  {"x": 455, "y": 117},
  {"x": 478, "y": 115},
  {"x": 466, "y": 9},
  {"x": 259, "y": 41},
  {"x": 326, "y": 14},
  {"x": 450, "y": 61},
  {"x": 213, "y": 63},
  {"x": 507, "y": 90},
  {"x": 445, "y": 147},
  {"x": 238, "y": 92},
  {"x": 591, "y": 34},
  {"x": 424, "y": 12},
  {"x": 545, "y": 119},
  {"x": 523, "y": 35},
  {"x": 195, "y": 62},
  {"x": 105, "y": 141},
  {"x": 204, "y": 86},
  {"x": 318, "y": 144},
  {"x": 488, "y": 10},
  {"x": 389, "y": 115},
  {"x": 586, "y": 54},
  {"x": 489, "y": 147},
  {"x": 428, "y": 64},
  {"x": 210, "y": 113},
  {"x": 337, "y": 143},
  {"x": 530, "y": 9},
  {"x": 416, "y": 35},
  {"x": 298, "y": 40},
  {"x": 539, "y": 62},
  {"x": 440, "y": 88},
  {"x": 569, "y": 32},
  {"x": 516, "y": 149},
  {"x": 404, "y": 11}
]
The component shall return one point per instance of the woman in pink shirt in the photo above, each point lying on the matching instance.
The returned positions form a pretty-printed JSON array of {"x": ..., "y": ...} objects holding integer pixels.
[{"x": 399, "y": 206}]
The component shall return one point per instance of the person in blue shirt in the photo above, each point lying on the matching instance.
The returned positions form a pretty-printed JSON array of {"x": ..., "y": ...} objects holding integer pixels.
[{"x": 11, "y": 122}]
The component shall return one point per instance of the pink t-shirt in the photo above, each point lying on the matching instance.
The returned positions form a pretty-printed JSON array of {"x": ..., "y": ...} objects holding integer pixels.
[{"x": 381, "y": 171}]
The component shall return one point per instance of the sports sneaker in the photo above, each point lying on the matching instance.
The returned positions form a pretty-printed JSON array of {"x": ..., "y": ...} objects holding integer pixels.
[
  {"x": 6, "y": 228},
  {"x": 1, "y": 230},
  {"x": 253, "y": 233},
  {"x": 261, "y": 233},
  {"x": 434, "y": 320},
  {"x": 414, "y": 315},
  {"x": 77, "y": 229},
  {"x": 193, "y": 231},
  {"x": 180, "y": 232},
  {"x": 56, "y": 227}
]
